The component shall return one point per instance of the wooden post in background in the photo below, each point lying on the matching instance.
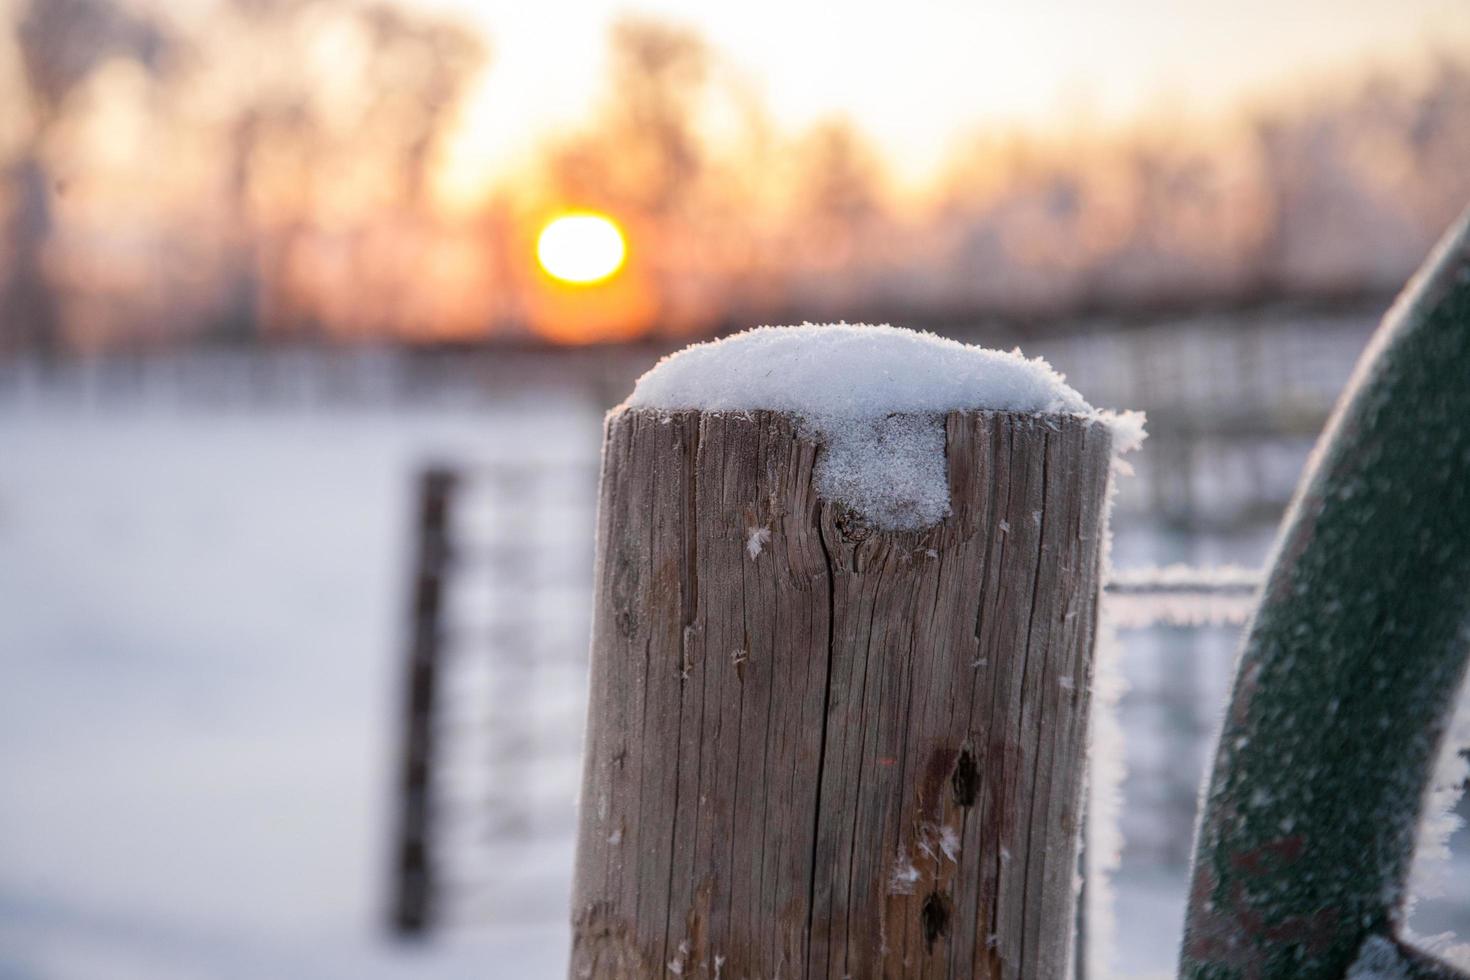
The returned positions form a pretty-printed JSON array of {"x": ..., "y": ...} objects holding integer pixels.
[
  {"x": 818, "y": 750},
  {"x": 413, "y": 866}
]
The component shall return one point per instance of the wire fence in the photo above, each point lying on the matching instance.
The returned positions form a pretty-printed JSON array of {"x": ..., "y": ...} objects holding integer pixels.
[
  {"x": 1233, "y": 416},
  {"x": 503, "y": 727}
]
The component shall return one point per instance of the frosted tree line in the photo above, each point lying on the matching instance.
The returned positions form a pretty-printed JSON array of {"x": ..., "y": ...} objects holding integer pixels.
[{"x": 254, "y": 171}]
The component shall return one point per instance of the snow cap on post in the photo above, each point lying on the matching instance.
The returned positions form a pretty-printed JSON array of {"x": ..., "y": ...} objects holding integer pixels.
[{"x": 875, "y": 397}]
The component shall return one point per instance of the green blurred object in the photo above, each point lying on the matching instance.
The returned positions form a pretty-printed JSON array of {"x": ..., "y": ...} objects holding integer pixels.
[{"x": 1351, "y": 667}]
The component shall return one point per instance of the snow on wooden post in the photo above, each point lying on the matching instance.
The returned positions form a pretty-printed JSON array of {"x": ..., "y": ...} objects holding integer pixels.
[{"x": 840, "y": 667}]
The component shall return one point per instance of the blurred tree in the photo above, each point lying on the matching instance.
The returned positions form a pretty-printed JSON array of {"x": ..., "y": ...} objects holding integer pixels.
[
  {"x": 839, "y": 233},
  {"x": 321, "y": 119},
  {"x": 61, "y": 42},
  {"x": 418, "y": 69},
  {"x": 1358, "y": 184},
  {"x": 329, "y": 144},
  {"x": 292, "y": 148},
  {"x": 839, "y": 189},
  {"x": 658, "y": 82}
]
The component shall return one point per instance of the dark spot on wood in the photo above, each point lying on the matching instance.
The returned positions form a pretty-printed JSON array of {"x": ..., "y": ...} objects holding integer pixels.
[
  {"x": 934, "y": 915},
  {"x": 966, "y": 779},
  {"x": 931, "y": 791},
  {"x": 851, "y": 526},
  {"x": 627, "y": 622}
]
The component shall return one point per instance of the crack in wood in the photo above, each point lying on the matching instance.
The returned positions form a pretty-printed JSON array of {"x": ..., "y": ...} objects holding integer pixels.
[{"x": 965, "y": 782}]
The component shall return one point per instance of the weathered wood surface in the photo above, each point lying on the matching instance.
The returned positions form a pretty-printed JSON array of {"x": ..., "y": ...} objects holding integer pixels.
[{"x": 852, "y": 753}]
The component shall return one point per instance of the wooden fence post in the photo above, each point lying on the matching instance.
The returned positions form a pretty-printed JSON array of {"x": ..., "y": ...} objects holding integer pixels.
[
  {"x": 413, "y": 866},
  {"x": 818, "y": 750}
]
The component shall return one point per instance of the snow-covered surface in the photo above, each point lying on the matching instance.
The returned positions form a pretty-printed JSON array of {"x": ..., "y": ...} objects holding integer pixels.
[
  {"x": 875, "y": 396},
  {"x": 1102, "y": 829},
  {"x": 1378, "y": 959},
  {"x": 200, "y": 625},
  {"x": 1429, "y": 875},
  {"x": 851, "y": 371},
  {"x": 199, "y": 617}
]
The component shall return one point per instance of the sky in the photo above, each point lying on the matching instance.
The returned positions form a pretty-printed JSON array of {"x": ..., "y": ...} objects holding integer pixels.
[{"x": 918, "y": 74}]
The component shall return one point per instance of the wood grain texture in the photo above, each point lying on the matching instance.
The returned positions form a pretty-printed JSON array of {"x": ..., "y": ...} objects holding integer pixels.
[{"x": 856, "y": 753}]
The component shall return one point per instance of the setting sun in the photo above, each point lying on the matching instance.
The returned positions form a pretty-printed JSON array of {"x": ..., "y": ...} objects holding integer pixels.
[{"x": 581, "y": 248}]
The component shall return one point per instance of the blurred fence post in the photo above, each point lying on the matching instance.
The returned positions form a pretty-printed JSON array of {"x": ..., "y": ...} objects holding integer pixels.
[
  {"x": 817, "y": 750},
  {"x": 413, "y": 867}
]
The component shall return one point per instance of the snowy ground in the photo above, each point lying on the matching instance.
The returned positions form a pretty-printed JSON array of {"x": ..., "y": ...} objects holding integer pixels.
[{"x": 200, "y": 623}]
